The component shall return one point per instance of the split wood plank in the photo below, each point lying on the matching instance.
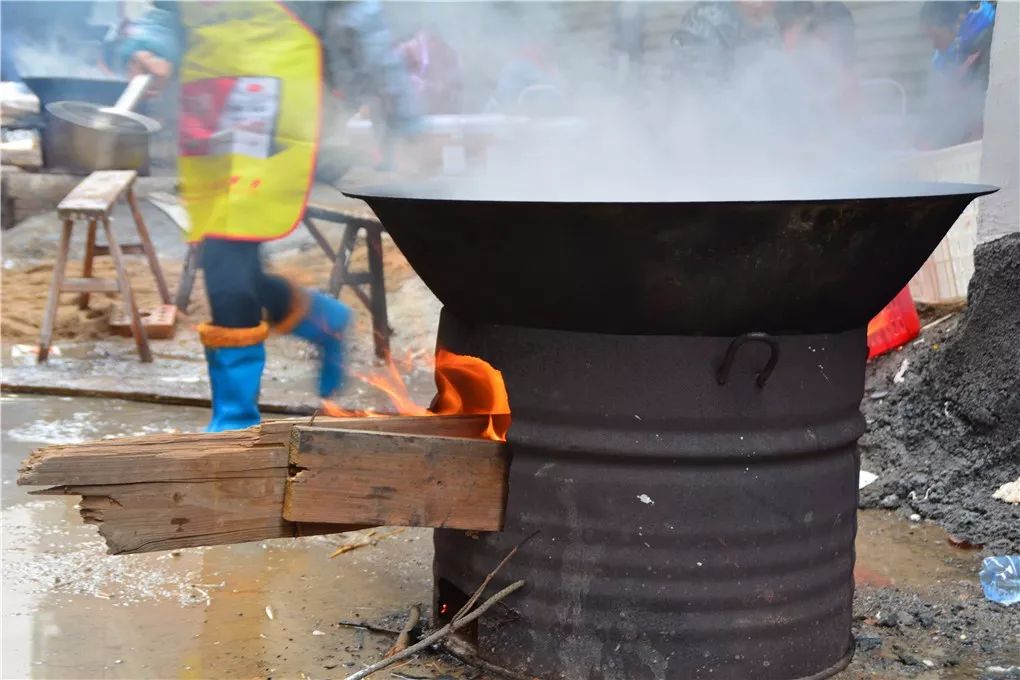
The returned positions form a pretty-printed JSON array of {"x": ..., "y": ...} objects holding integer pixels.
[
  {"x": 171, "y": 491},
  {"x": 147, "y": 516},
  {"x": 148, "y": 496},
  {"x": 396, "y": 479},
  {"x": 173, "y": 456},
  {"x": 279, "y": 431}
]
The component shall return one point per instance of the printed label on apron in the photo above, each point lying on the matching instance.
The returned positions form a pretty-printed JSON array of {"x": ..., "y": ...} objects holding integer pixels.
[{"x": 221, "y": 116}]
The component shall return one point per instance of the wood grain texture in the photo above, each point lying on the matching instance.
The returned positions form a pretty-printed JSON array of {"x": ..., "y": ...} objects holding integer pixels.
[
  {"x": 97, "y": 194},
  {"x": 88, "y": 285},
  {"x": 279, "y": 431},
  {"x": 179, "y": 490},
  {"x": 396, "y": 479},
  {"x": 147, "y": 496},
  {"x": 175, "y": 456}
]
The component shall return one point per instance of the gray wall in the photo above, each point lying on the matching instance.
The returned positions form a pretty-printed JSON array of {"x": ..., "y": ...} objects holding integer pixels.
[
  {"x": 1000, "y": 160},
  {"x": 890, "y": 44}
]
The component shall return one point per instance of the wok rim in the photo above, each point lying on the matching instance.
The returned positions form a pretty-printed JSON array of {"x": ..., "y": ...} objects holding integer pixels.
[{"x": 414, "y": 192}]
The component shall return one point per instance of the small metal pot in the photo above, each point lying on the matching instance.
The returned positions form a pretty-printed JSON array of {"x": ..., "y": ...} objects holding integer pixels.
[{"x": 82, "y": 137}]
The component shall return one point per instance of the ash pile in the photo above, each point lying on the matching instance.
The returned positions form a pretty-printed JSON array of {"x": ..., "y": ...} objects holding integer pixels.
[{"x": 946, "y": 436}]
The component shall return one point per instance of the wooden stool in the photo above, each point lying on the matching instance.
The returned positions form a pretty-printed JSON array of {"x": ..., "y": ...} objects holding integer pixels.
[
  {"x": 340, "y": 274},
  {"x": 93, "y": 200}
]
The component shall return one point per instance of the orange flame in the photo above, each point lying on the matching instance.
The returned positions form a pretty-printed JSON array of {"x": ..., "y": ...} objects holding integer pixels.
[
  {"x": 392, "y": 385},
  {"x": 469, "y": 385},
  {"x": 465, "y": 385},
  {"x": 334, "y": 410}
]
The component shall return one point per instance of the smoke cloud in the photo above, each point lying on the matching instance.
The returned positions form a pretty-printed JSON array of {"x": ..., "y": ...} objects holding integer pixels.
[
  {"x": 778, "y": 123},
  {"x": 47, "y": 38}
]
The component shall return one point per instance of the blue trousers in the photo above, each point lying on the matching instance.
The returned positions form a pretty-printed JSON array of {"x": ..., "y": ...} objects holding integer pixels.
[{"x": 238, "y": 287}]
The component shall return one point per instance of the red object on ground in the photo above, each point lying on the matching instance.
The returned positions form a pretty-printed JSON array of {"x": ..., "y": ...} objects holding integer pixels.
[{"x": 894, "y": 326}]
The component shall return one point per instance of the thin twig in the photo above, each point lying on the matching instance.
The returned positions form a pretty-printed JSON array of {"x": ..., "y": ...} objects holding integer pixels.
[
  {"x": 371, "y": 538},
  {"x": 404, "y": 639},
  {"x": 936, "y": 322},
  {"x": 347, "y": 547},
  {"x": 314, "y": 416},
  {"x": 368, "y": 626},
  {"x": 438, "y": 635},
  {"x": 488, "y": 579}
]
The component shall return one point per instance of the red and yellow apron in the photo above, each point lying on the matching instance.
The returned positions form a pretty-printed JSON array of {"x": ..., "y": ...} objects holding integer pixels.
[{"x": 251, "y": 87}]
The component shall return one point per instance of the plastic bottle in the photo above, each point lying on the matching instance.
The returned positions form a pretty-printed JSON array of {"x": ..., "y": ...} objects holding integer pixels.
[{"x": 1000, "y": 578}]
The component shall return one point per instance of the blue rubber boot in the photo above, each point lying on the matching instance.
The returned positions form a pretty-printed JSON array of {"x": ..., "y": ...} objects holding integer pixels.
[
  {"x": 323, "y": 324},
  {"x": 236, "y": 357}
]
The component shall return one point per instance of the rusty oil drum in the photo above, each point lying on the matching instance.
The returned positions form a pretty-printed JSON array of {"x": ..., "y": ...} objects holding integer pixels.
[{"x": 695, "y": 499}]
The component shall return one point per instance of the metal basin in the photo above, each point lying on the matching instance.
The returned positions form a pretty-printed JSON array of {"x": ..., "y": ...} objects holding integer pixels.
[
  {"x": 69, "y": 148},
  {"x": 814, "y": 263},
  {"x": 75, "y": 145}
]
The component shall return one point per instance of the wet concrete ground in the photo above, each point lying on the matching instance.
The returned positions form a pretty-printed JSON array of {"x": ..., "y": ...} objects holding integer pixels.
[
  {"x": 919, "y": 610},
  {"x": 71, "y": 611}
]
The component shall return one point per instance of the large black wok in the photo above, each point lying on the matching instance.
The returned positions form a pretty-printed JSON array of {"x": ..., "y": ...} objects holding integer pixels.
[
  {"x": 811, "y": 264},
  {"x": 92, "y": 90}
]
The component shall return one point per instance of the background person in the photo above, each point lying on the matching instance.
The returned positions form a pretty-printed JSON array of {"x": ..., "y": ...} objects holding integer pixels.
[{"x": 961, "y": 35}]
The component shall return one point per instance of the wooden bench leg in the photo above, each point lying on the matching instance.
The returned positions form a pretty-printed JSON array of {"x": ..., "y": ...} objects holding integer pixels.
[
  {"x": 50, "y": 317},
  {"x": 320, "y": 239},
  {"x": 150, "y": 251},
  {"x": 86, "y": 264},
  {"x": 188, "y": 274},
  {"x": 377, "y": 281},
  {"x": 338, "y": 275},
  {"x": 137, "y": 329}
]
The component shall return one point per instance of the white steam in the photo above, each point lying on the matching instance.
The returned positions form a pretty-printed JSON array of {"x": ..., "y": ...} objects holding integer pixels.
[
  {"x": 50, "y": 58},
  {"x": 779, "y": 126}
]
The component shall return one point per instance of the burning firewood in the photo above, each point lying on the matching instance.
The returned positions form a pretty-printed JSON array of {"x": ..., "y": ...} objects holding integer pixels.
[{"x": 169, "y": 491}]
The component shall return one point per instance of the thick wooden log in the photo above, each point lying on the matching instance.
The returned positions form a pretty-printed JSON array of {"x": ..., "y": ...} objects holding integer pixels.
[
  {"x": 165, "y": 492},
  {"x": 147, "y": 516},
  {"x": 169, "y": 491},
  {"x": 399, "y": 479}
]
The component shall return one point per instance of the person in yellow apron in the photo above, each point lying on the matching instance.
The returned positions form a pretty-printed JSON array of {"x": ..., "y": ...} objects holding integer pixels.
[{"x": 251, "y": 76}]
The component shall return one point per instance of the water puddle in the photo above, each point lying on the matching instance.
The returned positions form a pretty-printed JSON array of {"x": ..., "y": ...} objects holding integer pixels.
[{"x": 892, "y": 551}]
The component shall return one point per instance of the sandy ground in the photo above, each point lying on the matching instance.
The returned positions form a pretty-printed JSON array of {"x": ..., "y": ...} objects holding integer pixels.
[{"x": 88, "y": 360}]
